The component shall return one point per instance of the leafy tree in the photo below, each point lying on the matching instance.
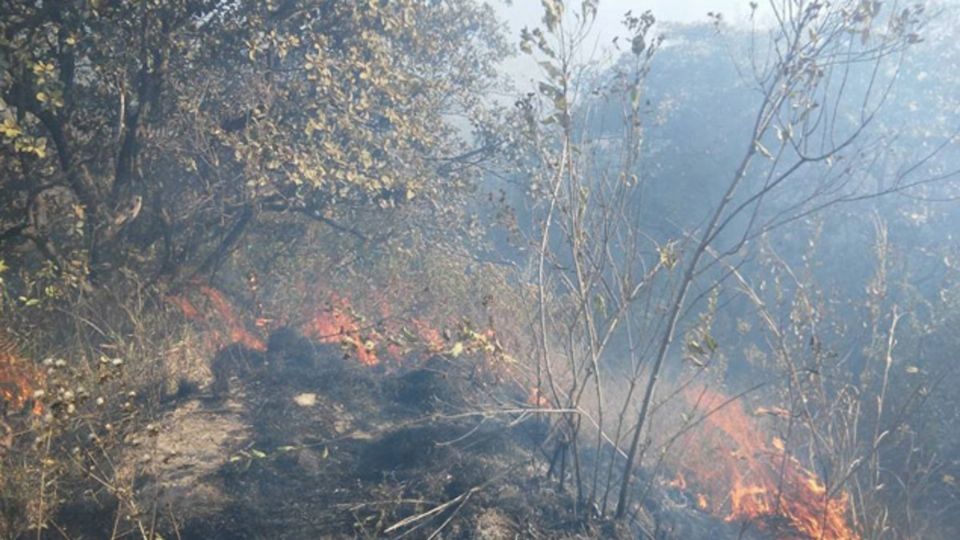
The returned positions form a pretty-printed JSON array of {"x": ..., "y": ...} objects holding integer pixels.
[{"x": 151, "y": 135}]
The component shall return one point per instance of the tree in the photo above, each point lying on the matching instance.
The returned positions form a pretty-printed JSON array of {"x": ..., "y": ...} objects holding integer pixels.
[
  {"x": 152, "y": 135},
  {"x": 814, "y": 45},
  {"x": 809, "y": 146}
]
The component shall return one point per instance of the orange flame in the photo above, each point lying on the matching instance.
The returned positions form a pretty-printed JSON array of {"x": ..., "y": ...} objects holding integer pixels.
[
  {"x": 224, "y": 325},
  {"x": 236, "y": 329},
  {"x": 185, "y": 307},
  {"x": 430, "y": 335},
  {"x": 537, "y": 399},
  {"x": 18, "y": 379},
  {"x": 337, "y": 324},
  {"x": 679, "y": 482},
  {"x": 741, "y": 476},
  {"x": 336, "y": 321}
]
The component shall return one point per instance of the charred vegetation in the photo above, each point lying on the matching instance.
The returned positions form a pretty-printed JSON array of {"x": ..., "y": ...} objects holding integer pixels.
[
  {"x": 347, "y": 268},
  {"x": 288, "y": 356}
]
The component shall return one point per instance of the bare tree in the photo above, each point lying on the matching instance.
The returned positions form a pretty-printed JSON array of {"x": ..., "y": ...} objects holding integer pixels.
[
  {"x": 814, "y": 51},
  {"x": 822, "y": 74}
]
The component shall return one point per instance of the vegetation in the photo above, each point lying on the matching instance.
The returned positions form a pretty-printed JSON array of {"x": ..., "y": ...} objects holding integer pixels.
[
  {"x": 149, "y": 136},
  {"x": 238, "y": 238}
]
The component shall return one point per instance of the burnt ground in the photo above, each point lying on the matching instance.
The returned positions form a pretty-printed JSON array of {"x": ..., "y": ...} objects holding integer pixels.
[{"x": 310, "y": 445}]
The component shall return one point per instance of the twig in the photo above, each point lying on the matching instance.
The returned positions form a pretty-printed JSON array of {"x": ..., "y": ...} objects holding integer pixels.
[
  {"x": 435, "y": 510},
  {"x": 440, "y": 508},
  {"x": 452, "y": 515}
]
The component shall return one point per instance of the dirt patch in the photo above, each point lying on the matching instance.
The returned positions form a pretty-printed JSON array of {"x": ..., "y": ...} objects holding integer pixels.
[
  {"x": 178, "y": 461},
  {"x": 306, "y": 447}
]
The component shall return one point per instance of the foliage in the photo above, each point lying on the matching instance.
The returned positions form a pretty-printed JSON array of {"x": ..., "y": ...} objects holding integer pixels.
[{"x": 150, "y": 135}]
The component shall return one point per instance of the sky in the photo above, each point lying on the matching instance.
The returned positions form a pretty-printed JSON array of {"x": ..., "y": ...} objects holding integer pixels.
[
  {"x": 521, "y": 13},
  {"x": 528, "y": 12}
]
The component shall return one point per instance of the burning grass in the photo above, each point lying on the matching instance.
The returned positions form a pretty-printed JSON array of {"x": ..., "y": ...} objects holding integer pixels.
[
  {"x": 371, "y": 450},
  {"x": 223, "y": 325},
  {"x": 328, "y": 317},
  {"x": 336, "y": 322},
  {"x": 19, "y": 380},
  {"x": 736, "y": 471}
]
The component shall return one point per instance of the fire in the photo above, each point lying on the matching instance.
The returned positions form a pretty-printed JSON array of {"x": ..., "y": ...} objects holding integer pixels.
[
  {"x": 237, "y": 329},
  {"x": 227, "y": 327},
  {"x": 742, "y": 476},
  {"x": 18, "y": 379},
  {"x": 536, "y": 398},
  {"x": 332, "y": 318},
  {"x": 430, "y": 335},
  {"x": 336, "y": 323}
]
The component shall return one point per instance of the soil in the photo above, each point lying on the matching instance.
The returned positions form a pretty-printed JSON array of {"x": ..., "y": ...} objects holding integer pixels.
[{"x": 303, "y": 444}]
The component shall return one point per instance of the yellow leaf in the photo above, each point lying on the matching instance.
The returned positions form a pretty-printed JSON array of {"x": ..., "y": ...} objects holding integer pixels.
[
  {"x": 457, "y": 349},
  {"x": 9, "y": 128},
  {"x": 667, "y": 257},
  {"x": 40, "y": 148}
]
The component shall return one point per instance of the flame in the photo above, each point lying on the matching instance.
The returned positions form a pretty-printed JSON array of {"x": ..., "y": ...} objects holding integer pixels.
[
  {"x": 742, "y": 476},
  {"x": 224, "y": 325},
  {"x": 18, "y": 379},
  {"x": 429, "y": 335},
  {"x": 332, "y": 318},
  {"x": 337, "y": 323},
  {"x": 399, "y": 336},
  {"x": 185, "y": 307},
  {"x": 235, "y": 327},
  {"x": 536, "y": 398},
  {"x": 679, "y": 482}
]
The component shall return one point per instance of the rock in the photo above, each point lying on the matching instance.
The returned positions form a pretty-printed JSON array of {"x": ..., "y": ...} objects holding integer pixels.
[{"x": 306, "y": 399}]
